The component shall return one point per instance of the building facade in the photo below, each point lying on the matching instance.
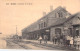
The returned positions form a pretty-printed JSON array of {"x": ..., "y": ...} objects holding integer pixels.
[
  {"x": 68, "y": 27},
  {"x": 57, "y": 23}
]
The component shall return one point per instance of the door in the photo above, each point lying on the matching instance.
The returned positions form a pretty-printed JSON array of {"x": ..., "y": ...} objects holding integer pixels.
[{"x": 77, "y": 32}]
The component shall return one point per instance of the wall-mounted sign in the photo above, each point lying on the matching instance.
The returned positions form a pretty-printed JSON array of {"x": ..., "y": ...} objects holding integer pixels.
[
  {"x": 47, "y": 30},
  {"x": 77, "y": 29}
]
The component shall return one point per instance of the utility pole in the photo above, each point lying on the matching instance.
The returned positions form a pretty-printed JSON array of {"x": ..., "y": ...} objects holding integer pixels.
[
  {"x": 16, "y": 33},
  {"x": 16, "y": 29}
]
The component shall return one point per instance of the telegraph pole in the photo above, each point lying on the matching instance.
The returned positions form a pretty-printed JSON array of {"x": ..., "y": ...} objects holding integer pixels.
[{"x": 16, "y": 29}]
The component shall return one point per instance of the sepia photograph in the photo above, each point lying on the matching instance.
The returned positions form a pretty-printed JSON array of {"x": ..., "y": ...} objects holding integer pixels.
[{"x": 40, "y": 25}]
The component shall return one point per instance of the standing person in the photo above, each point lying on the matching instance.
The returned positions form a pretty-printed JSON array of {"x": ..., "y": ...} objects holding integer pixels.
[
  {"x": 67, "y": 40},
  {"x": 40, "y": 39},
  {"x": 45, "y": 38},
  {"x": 78, "y": 42},
  {"x": 71, "y": 41},
  {"x": 61, "y": 41},
  {"x": 55, "y": 40},
  {"x": 75, "y": 42}
]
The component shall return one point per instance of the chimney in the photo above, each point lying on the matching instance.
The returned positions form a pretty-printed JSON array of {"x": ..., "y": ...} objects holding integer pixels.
[
  {"x": 51, "y": 8},
  {"x": 44, "y": 13}
]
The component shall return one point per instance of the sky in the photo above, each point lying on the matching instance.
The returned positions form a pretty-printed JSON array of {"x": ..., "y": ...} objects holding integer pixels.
[{"x": 24, "y": 15}]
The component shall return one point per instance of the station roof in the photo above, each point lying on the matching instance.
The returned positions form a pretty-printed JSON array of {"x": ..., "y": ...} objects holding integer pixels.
[{"x": 63, "y": 20}]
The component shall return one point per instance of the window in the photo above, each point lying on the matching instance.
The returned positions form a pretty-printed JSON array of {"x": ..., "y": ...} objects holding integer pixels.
[
  {"x": 44, "y": 24},
  {"x": 77, "y": 32},
  {"x": 57, "y": 31},
  {"x": 60, "y": 14},
  {"x": 70, "y": 31},
  {"x": 39, "y": 26}
]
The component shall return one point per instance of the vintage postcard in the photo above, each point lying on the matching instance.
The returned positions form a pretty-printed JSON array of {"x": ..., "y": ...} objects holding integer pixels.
[{"x": 40, "y": 24}]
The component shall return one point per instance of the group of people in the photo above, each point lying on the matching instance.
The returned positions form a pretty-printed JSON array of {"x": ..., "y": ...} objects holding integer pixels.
[
  {"x": 77, "y": 42},
  {"x": 43, "y": 39},
  {"x": 67, "y": 41},
  {"x": 64, "y": 40}
]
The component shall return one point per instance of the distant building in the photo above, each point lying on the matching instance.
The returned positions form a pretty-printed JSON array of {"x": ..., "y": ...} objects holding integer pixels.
[
  {"x": 54, "y": 24},
  {"x": 0, "y": 32}
]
